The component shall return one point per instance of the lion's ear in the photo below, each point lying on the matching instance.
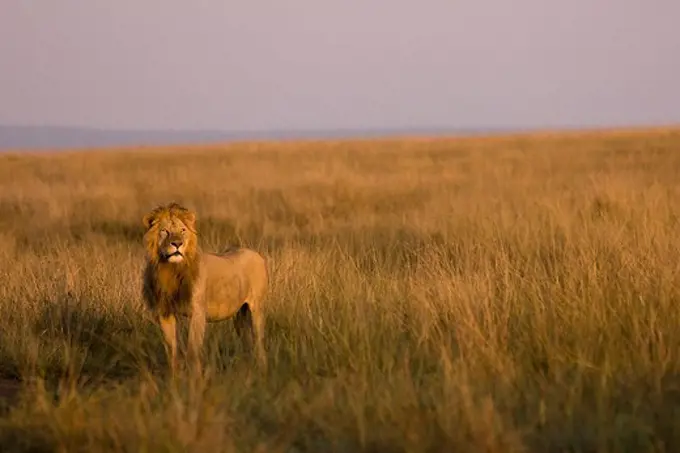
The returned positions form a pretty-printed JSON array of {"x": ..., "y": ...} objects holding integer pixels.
[{"x": 148, "y": 220}]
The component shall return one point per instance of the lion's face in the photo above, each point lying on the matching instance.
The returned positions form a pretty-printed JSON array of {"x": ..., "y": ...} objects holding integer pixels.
[
  {"x": 171, "y": 235},
  {"x": 172, "y": 240}
]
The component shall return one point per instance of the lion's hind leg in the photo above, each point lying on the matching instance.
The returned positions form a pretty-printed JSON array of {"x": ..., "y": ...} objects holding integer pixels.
[
  {"x": 243, "y": 322},
  {"x": 258, "y": 332},
  {"x": 250, "y": 328}
]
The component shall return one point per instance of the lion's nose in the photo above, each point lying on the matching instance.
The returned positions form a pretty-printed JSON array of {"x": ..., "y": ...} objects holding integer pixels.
[{"x": 177, "y": 244}]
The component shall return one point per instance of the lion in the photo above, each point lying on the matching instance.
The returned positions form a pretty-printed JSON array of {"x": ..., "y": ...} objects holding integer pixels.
[{"x": 181, "y": 280}]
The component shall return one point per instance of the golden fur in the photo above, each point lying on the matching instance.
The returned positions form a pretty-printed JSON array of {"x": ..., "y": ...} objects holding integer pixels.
[{"x": 180, "y": 280}]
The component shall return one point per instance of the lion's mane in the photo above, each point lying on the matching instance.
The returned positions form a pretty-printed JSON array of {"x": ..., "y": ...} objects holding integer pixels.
[{"x": 167, "y": 287}]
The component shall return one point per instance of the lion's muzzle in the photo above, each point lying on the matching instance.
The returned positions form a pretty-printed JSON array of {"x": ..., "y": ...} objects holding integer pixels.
[{"x": 174, "y": 251}]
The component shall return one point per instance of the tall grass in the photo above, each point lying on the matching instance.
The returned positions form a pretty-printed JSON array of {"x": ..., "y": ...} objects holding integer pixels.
[{"x": 504, "y": 294}]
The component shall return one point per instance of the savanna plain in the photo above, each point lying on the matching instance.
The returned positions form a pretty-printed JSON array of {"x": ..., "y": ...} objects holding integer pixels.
[{"x": 501, "y": 294}]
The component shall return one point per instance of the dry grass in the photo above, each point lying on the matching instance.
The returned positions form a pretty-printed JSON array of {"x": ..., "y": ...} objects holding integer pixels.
[{"x": 479, "y": 295}]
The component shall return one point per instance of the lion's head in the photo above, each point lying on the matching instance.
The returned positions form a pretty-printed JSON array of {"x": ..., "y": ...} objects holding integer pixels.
[{"x": 170, "y": 234}]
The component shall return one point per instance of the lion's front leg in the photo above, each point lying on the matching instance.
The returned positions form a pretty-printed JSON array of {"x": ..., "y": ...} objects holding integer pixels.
[
  {"x": 196, "y": 335},
  {"x": 168, "y": 325}
]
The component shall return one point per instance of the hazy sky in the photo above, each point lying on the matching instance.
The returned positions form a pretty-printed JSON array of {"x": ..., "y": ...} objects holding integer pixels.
[{"x": 300, "y": 64}]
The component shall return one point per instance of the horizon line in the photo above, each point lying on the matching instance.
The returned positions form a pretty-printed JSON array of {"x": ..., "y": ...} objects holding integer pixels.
[{"x": 403, "y": 134}]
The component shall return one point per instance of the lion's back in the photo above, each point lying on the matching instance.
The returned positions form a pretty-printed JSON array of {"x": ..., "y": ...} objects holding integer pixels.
[{"x": 242, "y": 265}]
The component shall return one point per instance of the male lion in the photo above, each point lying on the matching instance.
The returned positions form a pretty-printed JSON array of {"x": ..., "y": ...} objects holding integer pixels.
[{"x": 181, "y": 280}]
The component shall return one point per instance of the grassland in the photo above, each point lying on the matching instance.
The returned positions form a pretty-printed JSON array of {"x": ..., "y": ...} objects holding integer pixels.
[{"x": 508, "y": 294}]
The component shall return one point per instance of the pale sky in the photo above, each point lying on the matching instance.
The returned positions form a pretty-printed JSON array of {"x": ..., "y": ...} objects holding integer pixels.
[{"x": 329, "y": 64}]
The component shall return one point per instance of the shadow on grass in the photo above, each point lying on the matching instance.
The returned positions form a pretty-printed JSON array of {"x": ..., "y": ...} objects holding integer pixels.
[
  {"x": 104, "y": 346},
  {"x": 26, "y": 439},
  {"x": 78, "y": 339}
]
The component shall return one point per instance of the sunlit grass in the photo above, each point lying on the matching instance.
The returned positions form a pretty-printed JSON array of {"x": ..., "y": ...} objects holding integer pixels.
[{"x": 499, "y": 295}]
